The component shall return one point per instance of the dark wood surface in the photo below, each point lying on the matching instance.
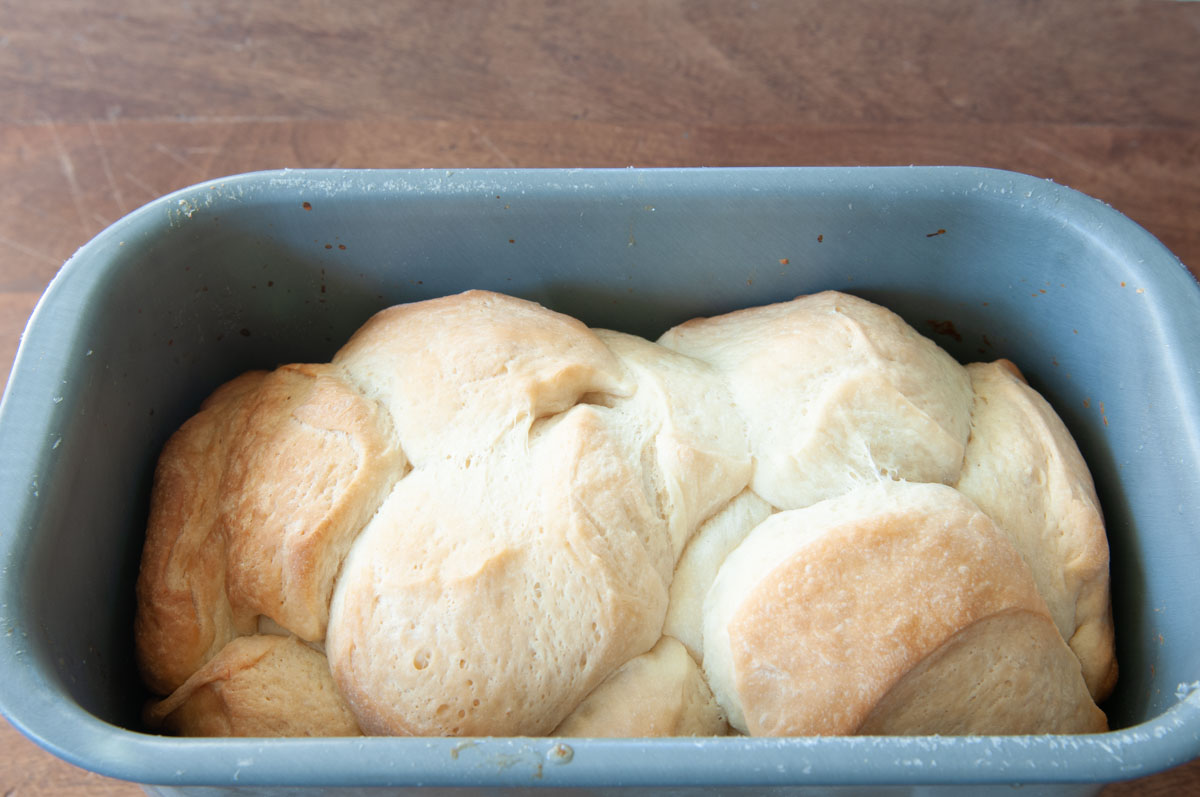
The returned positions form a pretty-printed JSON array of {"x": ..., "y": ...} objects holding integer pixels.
[{"x": 105, "y": 106}]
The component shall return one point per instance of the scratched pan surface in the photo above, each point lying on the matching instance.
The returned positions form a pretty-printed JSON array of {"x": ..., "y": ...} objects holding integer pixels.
[{"x": 257, "y": 270}]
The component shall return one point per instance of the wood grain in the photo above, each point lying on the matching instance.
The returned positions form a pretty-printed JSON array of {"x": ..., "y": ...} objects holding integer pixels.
[
  {"x": 749, "y": 62},
  {"x": 104, "y": 107}
]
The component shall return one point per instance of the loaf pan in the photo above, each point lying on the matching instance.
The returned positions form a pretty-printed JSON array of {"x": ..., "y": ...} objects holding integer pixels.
[{"x": 268, "y": 268}]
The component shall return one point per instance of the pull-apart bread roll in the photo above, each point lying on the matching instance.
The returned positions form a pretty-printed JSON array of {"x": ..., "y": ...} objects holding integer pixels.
[
  {"x": 698, "y": 566},
  {"x": 484, "y": 518},
  {"x": 1023, "y": 469},
  {"x": 259, "y": 685},
  {"x": 256, "y": 501},
  {"x": 896, "y": 608},
  {"x": 835, "y": 391},
  {"x": 659, "y": 693}
]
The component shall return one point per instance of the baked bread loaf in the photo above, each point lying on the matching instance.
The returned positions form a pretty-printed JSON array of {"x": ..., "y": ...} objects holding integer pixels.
[{"x": 484, "y": 518}]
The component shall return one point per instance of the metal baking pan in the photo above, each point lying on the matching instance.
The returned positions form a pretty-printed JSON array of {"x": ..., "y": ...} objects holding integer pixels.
[{"x": 267, "y": 268}]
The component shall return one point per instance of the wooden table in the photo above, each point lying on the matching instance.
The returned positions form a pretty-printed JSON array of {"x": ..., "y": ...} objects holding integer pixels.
[{"x": 104, "y": 107}]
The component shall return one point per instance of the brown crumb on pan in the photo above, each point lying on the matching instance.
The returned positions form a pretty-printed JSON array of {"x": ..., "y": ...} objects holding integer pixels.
[{"x": 945, "y": 328}]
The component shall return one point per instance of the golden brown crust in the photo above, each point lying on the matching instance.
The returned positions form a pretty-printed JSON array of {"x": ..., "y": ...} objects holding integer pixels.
[
  {"x": 256, "y": 501},
  {"x": 183, "y": 615},
  {"x": 859, "y": 590},
  {"x": 261, "y": 685},
  {"x": 1009, "y": 673},
  {"x": 1011, "y": 367},
  {"x": 313, "y": 462},
  {"x": 1023, "y": 468}
]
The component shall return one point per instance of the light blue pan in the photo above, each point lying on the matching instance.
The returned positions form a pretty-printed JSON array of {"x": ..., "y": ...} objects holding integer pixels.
[{"x": 262, "y": 269}]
